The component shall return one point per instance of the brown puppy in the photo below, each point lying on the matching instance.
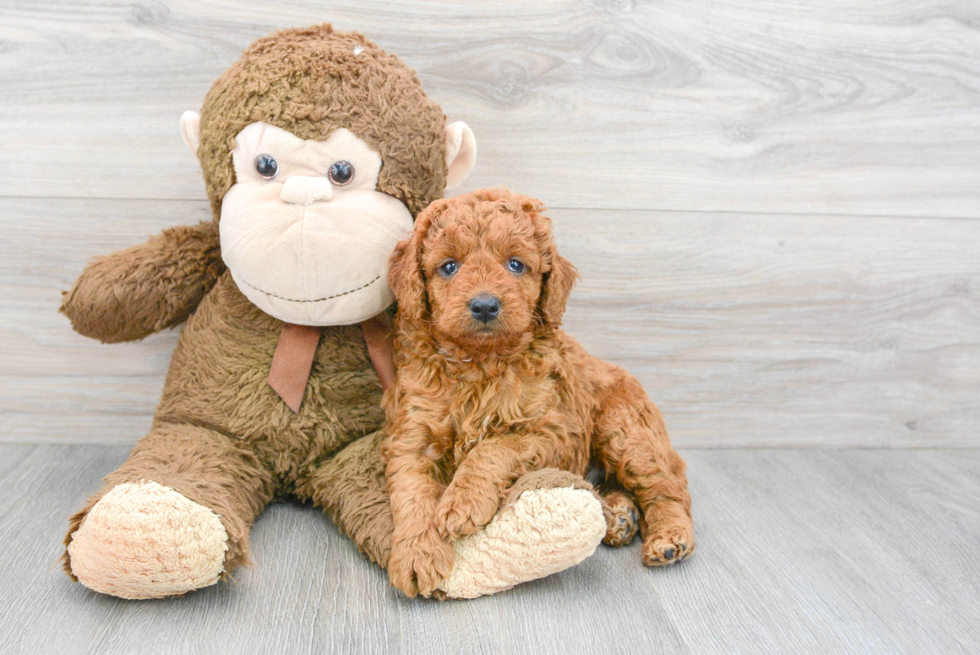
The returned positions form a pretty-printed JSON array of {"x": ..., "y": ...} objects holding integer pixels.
[{"x": 489, "y": 388}]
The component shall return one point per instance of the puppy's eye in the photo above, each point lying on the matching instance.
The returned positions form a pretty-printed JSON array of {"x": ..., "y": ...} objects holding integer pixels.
[
  {"x": 516, "y": 266},
  {"x": 448, "y": 268},
  {"x": 341, "y": 172},
  {"x": 266, "y": 166}
]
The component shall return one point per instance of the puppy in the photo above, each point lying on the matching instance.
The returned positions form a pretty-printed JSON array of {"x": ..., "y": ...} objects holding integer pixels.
[{"x": 488, "y": 388}]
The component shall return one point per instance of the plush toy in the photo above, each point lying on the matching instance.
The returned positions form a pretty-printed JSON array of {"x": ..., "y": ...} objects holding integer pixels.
[{"x": 318, "y": 150}]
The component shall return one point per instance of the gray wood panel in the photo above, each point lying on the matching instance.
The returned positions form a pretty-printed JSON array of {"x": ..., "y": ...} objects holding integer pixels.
[
  {"x": 747, "y": 330},
  {"x": 791, "y": 107},
  {"x": 798, "y": 551}
]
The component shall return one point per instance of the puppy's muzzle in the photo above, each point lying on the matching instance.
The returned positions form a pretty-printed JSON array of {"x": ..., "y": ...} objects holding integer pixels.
[{"x": 485, "y": 308}]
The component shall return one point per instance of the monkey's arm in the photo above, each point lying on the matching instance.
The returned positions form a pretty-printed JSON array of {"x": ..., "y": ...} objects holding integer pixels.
[{"x": 143, "y": 289}]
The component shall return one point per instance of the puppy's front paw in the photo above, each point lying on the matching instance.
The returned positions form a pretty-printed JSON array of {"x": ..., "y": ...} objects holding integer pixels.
[
  {"x": 401, "y": 572},
  {"x": 465, "y": 509},
  {"x": 420, "y": 564},
  {"x": 434, "y": 564}
]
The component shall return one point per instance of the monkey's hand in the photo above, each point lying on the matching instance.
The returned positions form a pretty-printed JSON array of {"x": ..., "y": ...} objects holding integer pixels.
[{"x": 146, "y": 288}]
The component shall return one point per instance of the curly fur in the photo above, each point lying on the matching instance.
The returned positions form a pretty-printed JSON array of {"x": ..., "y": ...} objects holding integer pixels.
[{"x": 475, "y": 406}]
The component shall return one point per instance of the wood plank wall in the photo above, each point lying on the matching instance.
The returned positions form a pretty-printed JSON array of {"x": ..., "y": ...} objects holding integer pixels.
[{"x": 773, "y": 204}]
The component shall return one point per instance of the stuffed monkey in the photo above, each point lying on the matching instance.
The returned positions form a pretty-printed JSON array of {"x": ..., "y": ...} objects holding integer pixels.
[{"x": 318, "y": 150}]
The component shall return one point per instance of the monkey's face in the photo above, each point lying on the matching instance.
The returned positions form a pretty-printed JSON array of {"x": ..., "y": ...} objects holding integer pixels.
[{"x": 304, "y": 230}]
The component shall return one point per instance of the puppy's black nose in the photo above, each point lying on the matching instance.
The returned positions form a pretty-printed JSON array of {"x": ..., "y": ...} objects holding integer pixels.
[{"x": 485, "y": 308}]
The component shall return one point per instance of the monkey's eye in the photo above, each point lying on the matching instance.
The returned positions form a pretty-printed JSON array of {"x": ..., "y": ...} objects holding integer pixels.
[
  {"x": 515, "y": 266},
  {"x": 341, "y": 172},
  {"x": 266, "y": 166},
  {"x": 448, "y": 268}
]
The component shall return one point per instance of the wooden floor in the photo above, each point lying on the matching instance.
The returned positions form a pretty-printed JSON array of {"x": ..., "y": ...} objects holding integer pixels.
[
  {"x": 775, "y": 209},
  {"x": 798, "y": 551}
]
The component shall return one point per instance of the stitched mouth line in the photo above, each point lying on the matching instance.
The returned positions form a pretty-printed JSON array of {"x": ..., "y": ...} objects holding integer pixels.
[{"x": 336, "y": 295}]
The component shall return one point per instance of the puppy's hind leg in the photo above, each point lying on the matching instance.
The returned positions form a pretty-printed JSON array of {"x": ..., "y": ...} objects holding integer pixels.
[
  {"x": 618, "y": 508},
  {"x": 631, "y": 443},
  {"x": 622, "y": 515}
]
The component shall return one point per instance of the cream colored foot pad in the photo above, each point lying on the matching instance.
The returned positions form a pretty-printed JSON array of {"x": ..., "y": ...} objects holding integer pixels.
[
  {"x": 544, "y": 532},
  {"x": 145, "y": 540}
]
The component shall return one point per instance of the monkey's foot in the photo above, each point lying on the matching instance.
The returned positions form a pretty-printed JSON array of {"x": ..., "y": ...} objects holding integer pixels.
[
  {"x": 545, "y": 528},
  {"x": 145, "y": 540}
]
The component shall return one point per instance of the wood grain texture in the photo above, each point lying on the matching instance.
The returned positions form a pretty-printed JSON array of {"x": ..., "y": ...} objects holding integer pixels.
[
  {"x": 833, "y": 551},
  {"x": 747, "y": 330},
  {"x": 793, "y": 107},
  {"x": 761, "y": 197}
]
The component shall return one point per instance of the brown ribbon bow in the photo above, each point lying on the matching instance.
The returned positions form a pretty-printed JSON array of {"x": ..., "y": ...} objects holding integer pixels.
[{"x": 293, "y": 359}]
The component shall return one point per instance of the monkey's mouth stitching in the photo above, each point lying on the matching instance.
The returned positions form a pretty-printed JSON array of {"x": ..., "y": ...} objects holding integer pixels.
[{"x": 336, "y": 295}]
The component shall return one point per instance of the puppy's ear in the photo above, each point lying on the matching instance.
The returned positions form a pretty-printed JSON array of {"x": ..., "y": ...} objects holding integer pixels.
[
  {"x": 405, "y": 269},
  {"x": 556, "y": 284}
]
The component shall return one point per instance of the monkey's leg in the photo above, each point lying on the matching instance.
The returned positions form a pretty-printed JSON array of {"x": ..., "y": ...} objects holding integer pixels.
[
  {"x": 173, "y": 518},
  {"x": 549, "y": 521},
  {"x": 351, "y": 489},
  {"x": 632, "y": 445}
]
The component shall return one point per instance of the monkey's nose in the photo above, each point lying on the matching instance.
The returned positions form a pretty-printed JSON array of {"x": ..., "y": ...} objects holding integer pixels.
[
  {"x": 304, "y": 190},
  {"x": 485, "y": 308}
]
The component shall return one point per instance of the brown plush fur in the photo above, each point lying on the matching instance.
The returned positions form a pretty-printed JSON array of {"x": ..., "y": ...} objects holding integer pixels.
[
  {"x": 477, "y": 405},
  {"x": 310, "y": 83},
  {"x": 221, "y": 436},
  {"x": 146, "y": 288},
  {"x": 224, "y": 439}
]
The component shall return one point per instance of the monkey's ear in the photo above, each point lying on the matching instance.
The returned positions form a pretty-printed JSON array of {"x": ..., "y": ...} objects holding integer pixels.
[
  {"x": 190, "y": 129},
  {"x": 460, "y": 153}
]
